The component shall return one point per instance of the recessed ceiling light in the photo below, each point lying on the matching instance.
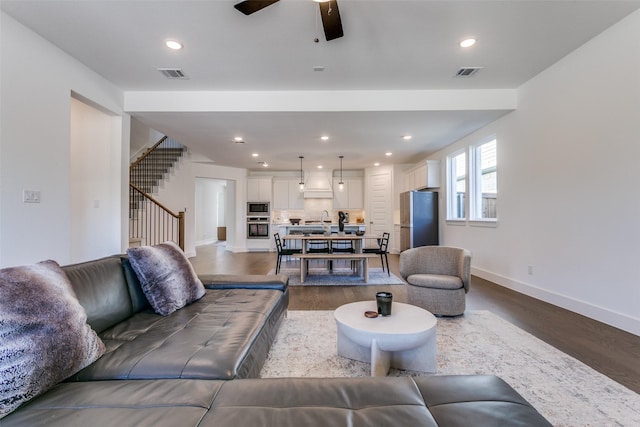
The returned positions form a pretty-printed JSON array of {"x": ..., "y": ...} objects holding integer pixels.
[
  {"x": 324, "y": 138},
  {"x": 467, "y": 42},
  {"x": 388, "y": 153},
  {"x": 255, "y": 154},
  {"x": 319, "y": 166},
  {"x": 376, "y": 164},
  {"x": 172, "y": 44},
  {"x": 238, "y": 140},
  {"x": 407, "y": 137}
]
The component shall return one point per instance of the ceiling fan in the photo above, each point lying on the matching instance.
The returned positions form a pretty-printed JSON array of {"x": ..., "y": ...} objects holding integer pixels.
[{"x": 328, "y": 11}]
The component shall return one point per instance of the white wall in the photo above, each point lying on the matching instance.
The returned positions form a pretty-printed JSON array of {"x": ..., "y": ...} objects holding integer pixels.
[
  {"x": 179, "y": 193},
  {"x": 37, "y": 80},
  {"x": 209, "y": 209},
  {"x": 94, "y": 167},
  {"x": 568, "y": 199},
  {"x": 142, "y": 137}
]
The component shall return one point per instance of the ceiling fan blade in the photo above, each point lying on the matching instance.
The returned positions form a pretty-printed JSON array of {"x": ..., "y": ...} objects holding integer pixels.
[
  {"x": 250, "y": 6},
  {"x": 331, "y": 19}
]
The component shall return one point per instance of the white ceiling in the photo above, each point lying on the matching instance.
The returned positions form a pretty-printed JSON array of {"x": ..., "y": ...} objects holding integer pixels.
[{"x": 389, "y": 45}]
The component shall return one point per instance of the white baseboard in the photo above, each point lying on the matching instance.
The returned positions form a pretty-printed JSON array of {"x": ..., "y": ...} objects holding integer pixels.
[
  {"x": 612, "y": 318},
  {"x": 205, "y": 242},
  {"x": 236, "y": 249}
]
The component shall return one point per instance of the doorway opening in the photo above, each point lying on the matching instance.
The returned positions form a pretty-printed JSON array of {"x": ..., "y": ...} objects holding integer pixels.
[{"x": 211, "y": 218}]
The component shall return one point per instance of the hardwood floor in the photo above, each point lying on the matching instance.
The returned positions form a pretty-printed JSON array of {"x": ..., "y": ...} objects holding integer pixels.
[{"x": 611, "y": 351}]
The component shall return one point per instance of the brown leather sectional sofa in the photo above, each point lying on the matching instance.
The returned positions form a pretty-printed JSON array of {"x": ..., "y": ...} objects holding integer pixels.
[{"x": 199, "y": 367}]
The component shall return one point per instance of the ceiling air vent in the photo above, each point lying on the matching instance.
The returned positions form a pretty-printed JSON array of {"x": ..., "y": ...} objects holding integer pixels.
[
  {"x": 173, "y": 73},
  {"x": 467, "y": 71}
]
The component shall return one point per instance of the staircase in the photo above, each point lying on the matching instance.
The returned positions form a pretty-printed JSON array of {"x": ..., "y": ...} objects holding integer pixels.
[{"x": 150, "y": 222}]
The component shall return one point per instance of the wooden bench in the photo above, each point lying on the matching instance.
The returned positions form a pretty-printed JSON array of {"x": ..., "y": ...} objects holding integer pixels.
[{"x": 329, "y": 256}]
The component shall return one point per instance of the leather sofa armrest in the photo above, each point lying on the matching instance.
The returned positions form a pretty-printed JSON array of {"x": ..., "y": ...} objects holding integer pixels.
[{"x": 245, "y": 281}]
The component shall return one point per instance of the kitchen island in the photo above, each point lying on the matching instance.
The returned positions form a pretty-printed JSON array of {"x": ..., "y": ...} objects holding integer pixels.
[{"x": 315, "y": 228}]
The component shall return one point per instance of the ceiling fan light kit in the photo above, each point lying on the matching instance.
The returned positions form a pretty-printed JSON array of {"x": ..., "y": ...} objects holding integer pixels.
[{"x": 329, "y": 13}]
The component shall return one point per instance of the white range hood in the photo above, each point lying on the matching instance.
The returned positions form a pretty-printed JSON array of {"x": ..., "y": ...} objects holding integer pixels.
[{"x": 318, "y": 184}]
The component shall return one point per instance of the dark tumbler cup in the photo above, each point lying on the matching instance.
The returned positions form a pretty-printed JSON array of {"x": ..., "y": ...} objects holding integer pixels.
[{"x": 384, "y": 300}]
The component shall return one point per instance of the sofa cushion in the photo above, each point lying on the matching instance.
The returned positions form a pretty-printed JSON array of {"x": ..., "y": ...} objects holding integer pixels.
[
  {"x": 139, "y": 301},
  {"x": 244, "y": 281},
  {"x": 430, "y": 401},
  {"x": 436, "y": 281},
  {"x": 101, "y": 287},
  {"x": 119, "y": 403},
  {"x": 488, "y": 400},
  {"x": 44, "y": 335},
  {"x": 293, "y": 402},
  {"x": 167, "y": 277},
  {"x": 224, "y": 335}
]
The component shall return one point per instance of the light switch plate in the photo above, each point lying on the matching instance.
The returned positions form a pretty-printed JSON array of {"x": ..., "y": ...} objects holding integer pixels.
[{"x": 31, "y": 196}]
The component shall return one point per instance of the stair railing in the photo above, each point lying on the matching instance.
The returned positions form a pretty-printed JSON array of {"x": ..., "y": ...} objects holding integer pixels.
[
  {"x": 150, "y": 222},
  {"x": 157, "y": 224}
]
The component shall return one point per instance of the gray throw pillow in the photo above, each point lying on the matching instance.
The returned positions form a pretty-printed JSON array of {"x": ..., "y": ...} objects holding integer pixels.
[
  {"x": 166, "y": 276},
  {"x": 44, "y": 335}
]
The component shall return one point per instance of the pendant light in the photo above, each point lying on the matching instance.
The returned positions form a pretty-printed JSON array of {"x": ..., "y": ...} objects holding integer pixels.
[
  {"x": 301, "y": 174},
  {"x": 341, "y": 184}
]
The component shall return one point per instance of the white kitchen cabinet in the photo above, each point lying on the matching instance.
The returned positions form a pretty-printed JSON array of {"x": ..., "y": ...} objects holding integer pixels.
[
  {"x": 409, "y": 180},
  {"x": 259, "y": 189},
  {"x": 280, "y": 194},
  {"x": 351, "y": 197},
  {"x": 287, "y": 194},
  {"x": 340, "y": 198},
  {"x": 260, "y": 245},
  {"x": 356, "y": 193},
  {"x": 395, "y": 241},
  {"x": 426, "y": 174},
  {"x": 296, "y": 197}
]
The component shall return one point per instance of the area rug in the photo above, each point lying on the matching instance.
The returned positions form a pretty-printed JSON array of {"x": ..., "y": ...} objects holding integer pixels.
[
  {"x": 339, "y": 277},
  {"x": 564, "y": 390}
]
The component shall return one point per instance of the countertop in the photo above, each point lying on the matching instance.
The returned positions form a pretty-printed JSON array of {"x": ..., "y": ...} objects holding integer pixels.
[{"x": 318, "y": 224}]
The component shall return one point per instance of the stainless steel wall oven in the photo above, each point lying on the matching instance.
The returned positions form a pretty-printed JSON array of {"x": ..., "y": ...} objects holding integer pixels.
[{"x": 258, "y": 227}]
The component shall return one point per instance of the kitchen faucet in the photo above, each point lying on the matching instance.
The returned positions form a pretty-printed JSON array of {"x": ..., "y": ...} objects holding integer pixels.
[{"x": 325, "y": 227}]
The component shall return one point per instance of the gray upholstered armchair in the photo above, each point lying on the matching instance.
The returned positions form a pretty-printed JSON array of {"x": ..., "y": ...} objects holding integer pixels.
[{"x": 438, "y": 278}]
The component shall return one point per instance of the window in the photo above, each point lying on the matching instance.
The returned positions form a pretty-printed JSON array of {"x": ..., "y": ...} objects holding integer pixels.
[
  {"x": 484, "y": 185},
  {"x": 456, "y": 185}
]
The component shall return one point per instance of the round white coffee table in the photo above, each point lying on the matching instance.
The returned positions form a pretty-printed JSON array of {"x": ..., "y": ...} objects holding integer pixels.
[{"x": 405, "y": 340}]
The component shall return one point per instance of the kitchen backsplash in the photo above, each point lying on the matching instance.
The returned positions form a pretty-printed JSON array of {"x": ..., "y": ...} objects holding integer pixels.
[{"x": 313, "y": 212}]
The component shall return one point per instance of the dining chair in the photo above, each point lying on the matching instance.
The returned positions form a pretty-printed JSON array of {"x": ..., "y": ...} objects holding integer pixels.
[
  {"x": 382, "y": 250},
  {"x": 282, "y": 251},
  {"x": 344, "y": 247}
]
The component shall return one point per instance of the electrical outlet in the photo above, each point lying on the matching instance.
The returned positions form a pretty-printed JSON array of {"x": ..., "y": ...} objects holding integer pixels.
[
  {"x": 31, "y": 196},
  {"x": 530, "y": 270}
]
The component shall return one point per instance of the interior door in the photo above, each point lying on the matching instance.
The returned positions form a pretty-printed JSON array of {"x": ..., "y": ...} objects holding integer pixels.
[{"x": 379, "y": 204}]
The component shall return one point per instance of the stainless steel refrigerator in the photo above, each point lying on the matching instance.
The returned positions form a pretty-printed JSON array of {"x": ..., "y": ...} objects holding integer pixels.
[{"x": 418, "y": 219}]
